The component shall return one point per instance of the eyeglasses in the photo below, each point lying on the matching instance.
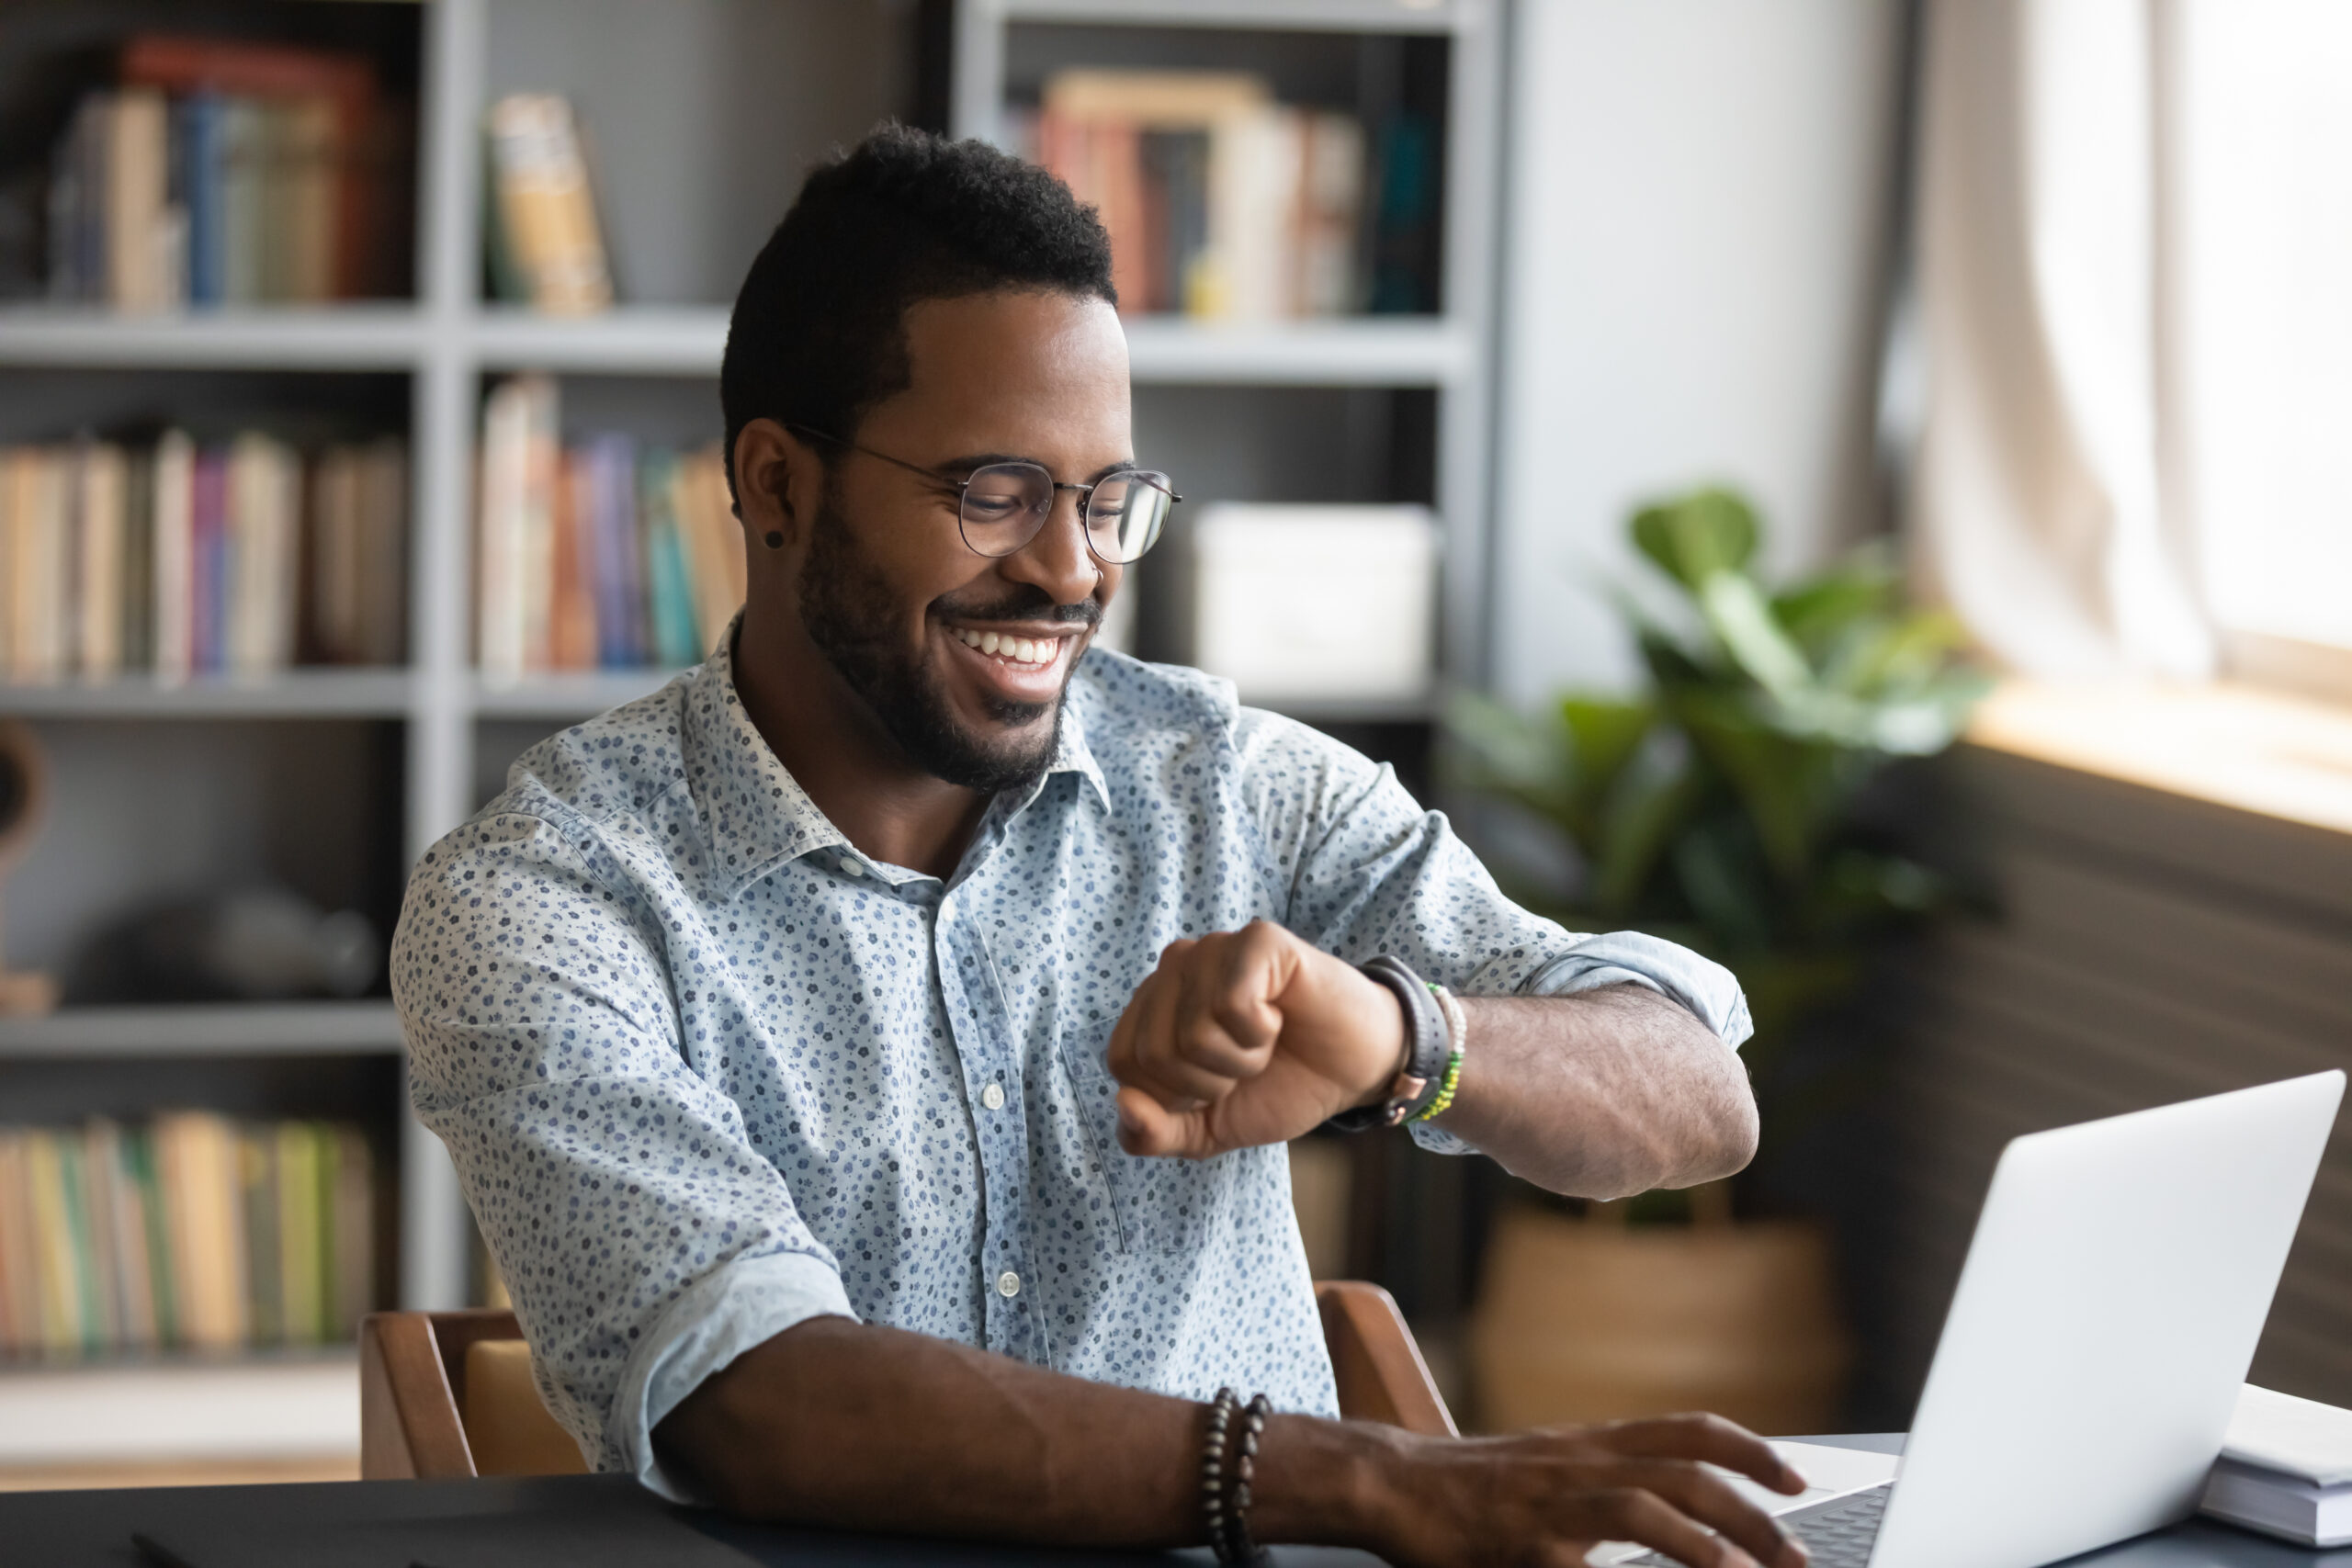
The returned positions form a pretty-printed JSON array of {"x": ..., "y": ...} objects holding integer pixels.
[{"x": 1001, "y": 506}]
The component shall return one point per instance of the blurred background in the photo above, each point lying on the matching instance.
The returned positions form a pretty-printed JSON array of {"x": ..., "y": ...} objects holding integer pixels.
[{"x": 1854, "y": 485}]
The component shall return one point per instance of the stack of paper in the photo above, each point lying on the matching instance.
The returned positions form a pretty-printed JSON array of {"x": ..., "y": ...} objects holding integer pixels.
[{"x": 2285, "y": 1469}]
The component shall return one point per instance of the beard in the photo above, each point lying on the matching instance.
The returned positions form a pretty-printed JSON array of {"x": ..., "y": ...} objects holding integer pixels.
[{"x": 848, "y": 611}]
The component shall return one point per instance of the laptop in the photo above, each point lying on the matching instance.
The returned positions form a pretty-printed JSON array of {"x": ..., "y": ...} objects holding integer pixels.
[{"x": 2116, "y": 1283}]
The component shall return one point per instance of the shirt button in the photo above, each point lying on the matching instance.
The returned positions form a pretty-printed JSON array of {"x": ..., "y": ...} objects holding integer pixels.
[
  {"x": 993, "y": 1098},
  {"x": 851, "y": 868},
  {"x": 1008, "y": 1283}
]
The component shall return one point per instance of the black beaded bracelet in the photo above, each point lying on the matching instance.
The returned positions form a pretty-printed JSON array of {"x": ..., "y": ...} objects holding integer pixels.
[{"x": 1228, "y": 1464}]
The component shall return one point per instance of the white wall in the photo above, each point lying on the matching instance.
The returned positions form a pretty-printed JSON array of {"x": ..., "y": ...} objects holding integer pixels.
[{"x": 1694, "y": 227}]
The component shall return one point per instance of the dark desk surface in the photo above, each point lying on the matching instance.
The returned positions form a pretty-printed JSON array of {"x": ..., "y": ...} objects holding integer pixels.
[{"x": 85, "y": 1530}]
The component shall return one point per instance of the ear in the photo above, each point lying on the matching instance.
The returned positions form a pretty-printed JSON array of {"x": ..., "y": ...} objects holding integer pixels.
[{"x": 778, "y": 478}]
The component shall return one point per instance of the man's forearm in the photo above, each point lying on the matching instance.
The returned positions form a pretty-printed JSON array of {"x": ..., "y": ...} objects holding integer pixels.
[
  {"x": 1603, "y": 1094},
  {"x": 855, "y": 1427}
]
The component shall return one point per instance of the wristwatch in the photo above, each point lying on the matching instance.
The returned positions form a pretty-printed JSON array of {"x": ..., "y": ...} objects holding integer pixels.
[{"x": 1427, "y": 1044}]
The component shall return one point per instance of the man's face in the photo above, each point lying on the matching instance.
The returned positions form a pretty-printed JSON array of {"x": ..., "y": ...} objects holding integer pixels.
[{"x": 890, "y": 594}]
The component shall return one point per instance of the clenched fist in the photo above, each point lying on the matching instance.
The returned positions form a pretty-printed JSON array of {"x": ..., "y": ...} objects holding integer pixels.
[{"x": 1248, "y": 1037}]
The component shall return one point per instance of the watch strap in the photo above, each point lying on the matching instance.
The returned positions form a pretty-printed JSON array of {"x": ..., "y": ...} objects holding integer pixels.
[{"x": 1429, "y": 1043}]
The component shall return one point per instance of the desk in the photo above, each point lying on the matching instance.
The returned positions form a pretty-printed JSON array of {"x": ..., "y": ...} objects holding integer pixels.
[{"x": 91, "y": 1529}]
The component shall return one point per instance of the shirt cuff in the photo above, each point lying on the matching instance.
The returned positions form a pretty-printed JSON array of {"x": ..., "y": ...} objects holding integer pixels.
[
  {"x": 719, "y": 1316},
  {"x": 1702, "y": 985}
]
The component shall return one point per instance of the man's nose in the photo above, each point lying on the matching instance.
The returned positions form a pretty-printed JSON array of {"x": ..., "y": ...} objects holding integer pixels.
[{"x": 1057, "y": 560}]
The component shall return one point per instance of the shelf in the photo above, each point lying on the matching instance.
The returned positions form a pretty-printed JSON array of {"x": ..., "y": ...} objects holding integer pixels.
[
  {"x": 574, "y": 696},
  {"x": 337, "y": 337},
  {"x": 1318, "y": 15},
  {"x": 293, "y": 693},
  {"x": 268, "y": 1405},
  {"x": 634, "y": 340},
  {"x": 1370, "y": 351},
  {"x": 207, "y": 1029}
]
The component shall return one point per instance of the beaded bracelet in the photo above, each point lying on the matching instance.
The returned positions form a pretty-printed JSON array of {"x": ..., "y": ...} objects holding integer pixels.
[
  {"x": 1457, "y": 1024},
  {"x": 1229, "y": 1463}
]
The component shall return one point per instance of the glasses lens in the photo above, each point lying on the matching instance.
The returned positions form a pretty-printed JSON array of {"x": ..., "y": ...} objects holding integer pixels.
[
  {"x": 1127, "y": 513},
  {"x": 1004, "y": 505}
]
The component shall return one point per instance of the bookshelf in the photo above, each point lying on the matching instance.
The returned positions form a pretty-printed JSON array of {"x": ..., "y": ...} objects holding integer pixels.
[{"x": 392, "y": 758}]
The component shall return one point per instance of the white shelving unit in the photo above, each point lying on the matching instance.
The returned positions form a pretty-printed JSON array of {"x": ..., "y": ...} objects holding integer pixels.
[{"x": 447, "y": 341}]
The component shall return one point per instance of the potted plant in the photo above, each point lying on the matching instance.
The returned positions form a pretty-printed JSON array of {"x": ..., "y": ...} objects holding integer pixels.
[{"x": 1718, "y": 808}]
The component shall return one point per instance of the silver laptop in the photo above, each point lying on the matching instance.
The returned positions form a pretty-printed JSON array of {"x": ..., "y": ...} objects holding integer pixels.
[{"x": 2118, "y": 1281}]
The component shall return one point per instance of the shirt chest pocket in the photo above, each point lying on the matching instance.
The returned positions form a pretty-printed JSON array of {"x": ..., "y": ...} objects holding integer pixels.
[{"x": 1162, "y": 1205}]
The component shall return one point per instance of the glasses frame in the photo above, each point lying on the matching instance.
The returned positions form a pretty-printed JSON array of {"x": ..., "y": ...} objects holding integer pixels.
[{"x": 960, "y": 488}]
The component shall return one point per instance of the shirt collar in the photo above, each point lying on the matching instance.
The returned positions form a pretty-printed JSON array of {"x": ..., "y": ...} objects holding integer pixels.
[{"x": 756, "y": 812}]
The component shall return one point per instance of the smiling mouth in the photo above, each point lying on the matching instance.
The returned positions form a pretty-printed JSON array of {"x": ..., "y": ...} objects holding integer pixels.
[{"x": 1027, "y": 654}]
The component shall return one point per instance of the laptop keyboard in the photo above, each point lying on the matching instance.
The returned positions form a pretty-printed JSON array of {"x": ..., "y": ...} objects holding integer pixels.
[{"x": 1838, "y": 1532}]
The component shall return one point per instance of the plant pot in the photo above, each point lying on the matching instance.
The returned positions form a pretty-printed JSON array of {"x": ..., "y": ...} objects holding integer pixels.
[{"x": 1586, "y": 1320}]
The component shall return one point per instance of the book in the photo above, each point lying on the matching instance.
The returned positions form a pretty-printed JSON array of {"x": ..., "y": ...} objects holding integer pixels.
[
  {"x": 208, "y": 558},
  {"x": 173, "y": 576},
  {"x": 543, "y": 208},
  {"x": 197, "y": 173},
  {"x": 352, "y": 1230},
  {"x": 61, "y": 1273},
  {"x": 669, "y": 603},
  {"x": 140, "y": 253},
  {"x": 300, "y": 1285},
  {"x": 137, "y": 1325},
  {"x": 571, "y": 590},
  {"x": 245, "y": 153},
  {"x": 198, "y": 1170},
  {"x": 2285, "y": 1469},
  {"x": 261, "y": 504},
  {"x": 20, "y": 1272},
  {"x": 102, "y": 523}
]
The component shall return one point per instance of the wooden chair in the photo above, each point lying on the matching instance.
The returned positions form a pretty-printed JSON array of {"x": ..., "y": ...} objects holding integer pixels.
[{"x": 450, "y": 1394}]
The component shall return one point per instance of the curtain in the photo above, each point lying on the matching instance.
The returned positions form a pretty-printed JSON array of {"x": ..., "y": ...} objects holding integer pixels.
[{"x": 2041, "y": 506}]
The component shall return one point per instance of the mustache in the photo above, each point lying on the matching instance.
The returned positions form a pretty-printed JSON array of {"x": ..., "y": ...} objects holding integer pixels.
[{"x": 1026, "y": 604}]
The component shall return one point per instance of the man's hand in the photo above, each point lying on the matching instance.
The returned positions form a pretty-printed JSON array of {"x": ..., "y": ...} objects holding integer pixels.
[
  {"x": 1248, "y": 1037},
  {"x": 1550, "y": 1496}
]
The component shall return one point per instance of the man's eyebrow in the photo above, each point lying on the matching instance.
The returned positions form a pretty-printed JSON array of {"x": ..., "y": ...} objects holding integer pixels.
[{"x": 965, "y": 464}]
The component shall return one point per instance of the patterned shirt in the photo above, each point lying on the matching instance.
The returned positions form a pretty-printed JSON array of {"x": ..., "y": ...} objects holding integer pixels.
[{"x": 707, "y": 1070}]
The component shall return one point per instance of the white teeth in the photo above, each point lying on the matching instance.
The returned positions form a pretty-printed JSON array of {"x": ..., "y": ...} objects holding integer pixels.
[{"x": 1017, "y": 649}]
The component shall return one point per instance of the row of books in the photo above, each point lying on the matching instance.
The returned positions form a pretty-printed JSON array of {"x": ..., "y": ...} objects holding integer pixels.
[
  {"x": 189, "y": 1232},
  {"x": 183, "y": 558},
  {"x": 601, "y": 554},
  {"x": 221, "y": 173},
  {"x": 1221, "y": 202}
]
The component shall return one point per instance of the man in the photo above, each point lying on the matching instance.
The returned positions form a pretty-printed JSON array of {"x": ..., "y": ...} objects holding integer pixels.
[{"x": 870, "y": 1058}]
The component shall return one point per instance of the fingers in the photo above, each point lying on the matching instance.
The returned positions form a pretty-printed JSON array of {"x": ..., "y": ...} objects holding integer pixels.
[
  {"x": 1636, "y": 1514},
  {"x": 1147, "y": 1127},
  {"x": 1708, "y": 1437},
  {"x": 1201, "y": 1023},
  {"x": 1699, "y": 1494}
]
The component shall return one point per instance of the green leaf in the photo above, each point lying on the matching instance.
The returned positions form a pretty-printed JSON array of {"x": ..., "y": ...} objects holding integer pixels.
[
  {"x": 1739, "y": 615},
  {"x": 1696, "y": 536},
  {"x": 1643, "y": 814}
]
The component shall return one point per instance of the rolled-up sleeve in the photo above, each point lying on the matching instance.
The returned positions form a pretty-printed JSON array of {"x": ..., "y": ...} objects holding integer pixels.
[
  {"x": 1372, "y": 871},
  {"x": 645, "y": 1242}
]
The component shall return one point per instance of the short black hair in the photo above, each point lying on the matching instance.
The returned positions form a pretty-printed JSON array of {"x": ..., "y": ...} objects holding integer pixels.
[{"x": 818, "y": 337}]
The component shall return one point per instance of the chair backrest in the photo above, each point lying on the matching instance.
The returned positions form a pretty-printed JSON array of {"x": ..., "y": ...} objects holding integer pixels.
[{"x": 443, "y": 1395}]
